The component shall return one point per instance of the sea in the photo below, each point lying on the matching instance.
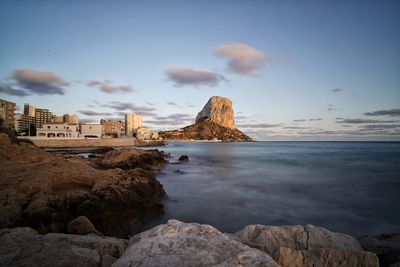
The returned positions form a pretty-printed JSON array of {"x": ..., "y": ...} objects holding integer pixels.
[{"x": 349, "y": 187}]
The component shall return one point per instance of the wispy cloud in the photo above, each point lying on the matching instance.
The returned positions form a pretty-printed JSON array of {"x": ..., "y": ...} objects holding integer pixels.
[
  {"x": 256, "y": 125},
  {"x": 389, "y": 112},
  {"x": 7, "y": 89},
  {"x": 39, "y": 82},
  {"x": 182, "y": 76},
  {"x": 300, "y": 120},
  {"x": 242, "y": 59},
  {"x": 356, "y": 121},
  {"x": 94, "y": 113},
  {"x": 336, "y": 90},
  {"x": 171, "y": 103},
  {"x": 315, "y": 119},
  {"x": 172, "y": 119},
  {"x": 130, "y": 107},
  {"x": 110, "y": 88}
]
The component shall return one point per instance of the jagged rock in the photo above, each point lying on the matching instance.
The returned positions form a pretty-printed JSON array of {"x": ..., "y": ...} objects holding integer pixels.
[
  {"x": 25, "y": 247},
  {"x": 189, "y": 244},
  {"x": 81, "y": 226},
  {"x": 51, "y": 191},
  {"x": 183, "y": 158},
  {"x": 307, "y": 246},
  {"x": 386, "y": 247},
  {"x": 218, "y": 110}
]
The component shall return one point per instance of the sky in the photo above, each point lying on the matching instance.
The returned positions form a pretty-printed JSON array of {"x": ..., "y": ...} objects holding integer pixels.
[{"x": 294, "y": 70}]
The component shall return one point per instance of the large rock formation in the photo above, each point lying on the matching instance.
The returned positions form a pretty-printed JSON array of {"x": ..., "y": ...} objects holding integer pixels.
[
  {"x": 189, "y": 244},
  {"x": 219, "y": 110},
  {"x": 307, "y": 245},
  {"x": 214, "y": 122},
  {"x": 46, "y": 191},
  {"x": 386, "y": 247}
]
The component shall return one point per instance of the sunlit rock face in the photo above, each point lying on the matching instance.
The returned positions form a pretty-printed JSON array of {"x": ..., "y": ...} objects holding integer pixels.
[{"x": 218, "y": 110}]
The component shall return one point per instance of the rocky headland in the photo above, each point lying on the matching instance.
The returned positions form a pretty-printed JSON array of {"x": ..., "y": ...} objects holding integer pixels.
[{"x": 214, "y": 122}]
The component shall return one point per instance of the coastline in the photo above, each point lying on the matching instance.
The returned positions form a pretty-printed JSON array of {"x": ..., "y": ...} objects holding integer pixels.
[{"x": 92, "y": 243}]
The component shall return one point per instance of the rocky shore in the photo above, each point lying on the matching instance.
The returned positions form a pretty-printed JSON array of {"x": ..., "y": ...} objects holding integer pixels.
[{"x": 60, "y": 211}]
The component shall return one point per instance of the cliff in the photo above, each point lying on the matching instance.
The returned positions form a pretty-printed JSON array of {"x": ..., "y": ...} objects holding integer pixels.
[{"x": 214, "y": 122}]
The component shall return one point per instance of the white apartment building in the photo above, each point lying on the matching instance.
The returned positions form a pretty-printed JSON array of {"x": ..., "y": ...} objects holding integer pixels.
[
  {"x": 58, "y": 130},
  {"x": 92, "y": 130},
  {"x": 132, "y": 123},
  {"x": 143, "y": 133}
]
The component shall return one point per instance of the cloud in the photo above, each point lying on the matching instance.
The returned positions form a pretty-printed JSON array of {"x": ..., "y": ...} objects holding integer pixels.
[
  {"x": 242, "y": 59},
  {"x": 257, "y": 125},
  {"x": 94, "y": 113},
  {"x": 197, "y": 77},
  {"x": 301, "y": 120},
  {"x": 336, "y": 90},
  {"x": 315, "y": 119},
  {"x": 108, "y": 87},
  {"x": 390, "y": 112},
  {"x": 7, "y": 89},
  {"x": 39, "y": 82},
  {"x": 296, "y": 128},
  {"x": 380, "y": 126},
  {"x": 172, "y": 119},
  {"x": 171, "y": 103},
  {"x": 363, "y": 121},
  {"x": 87, "y": 120},
  {"x": 130, "y": 107}
]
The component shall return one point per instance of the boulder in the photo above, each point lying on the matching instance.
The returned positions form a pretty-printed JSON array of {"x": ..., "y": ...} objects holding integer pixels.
[
  {"x": 385, "y": 246},
  {"x": 307, "y": 245},
  {"x": 218, "y": 110},
  {"x": 81, "y": 226},
  {"x": 25, "y": 247},
  {"x": 183, "y": 158},
  {"x": 189, "y": 244}
]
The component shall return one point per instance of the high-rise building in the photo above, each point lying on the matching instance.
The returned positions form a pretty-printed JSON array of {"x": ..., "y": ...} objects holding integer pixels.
[
  {"x": 29, "y": 110},
  {"x": 7, "y": 110},
  {"x": 25, "y": 125},
  {"x": 132, "y": 123},
  {"x": 113, "y": 128},
  {"x": 42, "y": 116},
  {"x": 71, "y": 119}
]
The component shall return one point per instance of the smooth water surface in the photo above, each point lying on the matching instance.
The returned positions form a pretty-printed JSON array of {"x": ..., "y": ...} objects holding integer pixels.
[{"x": 351, "y": 187}]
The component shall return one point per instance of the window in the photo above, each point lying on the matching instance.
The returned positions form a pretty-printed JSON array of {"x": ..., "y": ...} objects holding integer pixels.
[{"x": 48, "y": 127}]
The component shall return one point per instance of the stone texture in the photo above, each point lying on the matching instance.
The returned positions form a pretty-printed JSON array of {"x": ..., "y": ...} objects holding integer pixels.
[
  {"x": 25, "y": 247},
  {"x": 46, "y": 191},
  {"x": 219, "y": 110},
  {"x": 385, "y": 246},
  {"x": 81, "y": 226},
  {"x": 189, "y": 244},
  {"x": 307, "y": 246}
]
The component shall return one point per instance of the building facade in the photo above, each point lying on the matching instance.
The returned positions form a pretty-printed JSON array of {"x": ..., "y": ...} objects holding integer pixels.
[
  {"x": 143, "y": 133},
  {"x": 42, "y": 116},
  {"x": 29, "y": 110},
  {"x": 58, "y": 130},
  {"x": 71, "y": 119},
  {"x": 25, "y": 125},
  {"x": 132, "y": 123},
  {"x": 7, "y": 112},
  {"x": 113, "y": 128},
  {"x": 92, "y": 130}
]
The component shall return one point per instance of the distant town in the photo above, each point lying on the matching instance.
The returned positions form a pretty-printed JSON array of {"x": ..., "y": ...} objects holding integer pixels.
[{"x": 41, "y": 123}]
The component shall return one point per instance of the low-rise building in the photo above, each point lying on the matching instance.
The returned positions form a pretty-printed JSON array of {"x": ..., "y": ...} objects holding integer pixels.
[
  {"x": 143, "y": 133},
  {"x": 113, "y": 128},
  {"x": 58, "y": 130},
  {"x": 71, "y": 119},
  {"x": 92, "y": 130}
]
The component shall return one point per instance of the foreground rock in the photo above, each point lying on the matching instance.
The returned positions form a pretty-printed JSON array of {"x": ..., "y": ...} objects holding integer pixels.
[
  {"x": 25, "y": 247},
  {"x": 46, "y": 191},
  {"x": 386, "y": 247},
  {"x": 307, "y": 246},
  {"x": 189, "y": 244},
  {"x": 218, "y": 110}
]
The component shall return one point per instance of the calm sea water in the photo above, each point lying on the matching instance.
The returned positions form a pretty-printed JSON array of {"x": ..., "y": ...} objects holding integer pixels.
[{"x": 350, "y": 187}]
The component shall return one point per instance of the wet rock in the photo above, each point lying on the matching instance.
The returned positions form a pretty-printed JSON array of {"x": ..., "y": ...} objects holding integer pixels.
[
  {"x": 385, "y": 246},
  {"x": 81, "y": 226},
  {"x": 25, "y": 247},
  {"x": 307, "y": 246},
  {"x": 183, "y": 158},
  {"x": 189, "y": 244},
  {"x": 179, "y": 171}
]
